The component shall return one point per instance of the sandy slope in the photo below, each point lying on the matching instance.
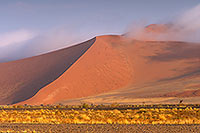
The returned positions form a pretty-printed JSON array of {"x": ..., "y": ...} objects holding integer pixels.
[
  {"x": 168, "y": 92},
  {"x": 114, "y": 63},
  {"x": 113, "y": 69},
  {"x": 101, "y": 69},
  {"x": 163, "y": 72},
  {"x": 20, "y": 80}
]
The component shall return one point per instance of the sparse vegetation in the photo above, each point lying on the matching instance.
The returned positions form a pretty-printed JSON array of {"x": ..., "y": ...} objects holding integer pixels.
[{"x": 102, "y": 114}]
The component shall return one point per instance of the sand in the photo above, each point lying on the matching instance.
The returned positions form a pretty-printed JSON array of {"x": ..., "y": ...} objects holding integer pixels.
[
  {"x": 109, "y": 69},
  {"x": 158, "y": 68},
  {"x": 101, "y": 69}
]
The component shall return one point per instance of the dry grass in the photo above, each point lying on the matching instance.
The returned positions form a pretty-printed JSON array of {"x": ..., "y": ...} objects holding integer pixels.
[{"x": 110, "y": 114}]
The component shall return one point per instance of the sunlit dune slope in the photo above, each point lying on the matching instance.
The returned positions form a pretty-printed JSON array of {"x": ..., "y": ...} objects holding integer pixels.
[
  {"x": 21, "y": 79},
  {"x": 102, "y": 68},
  {"x": 114, "y": 63},
  {"x": 163, "y": 72}
]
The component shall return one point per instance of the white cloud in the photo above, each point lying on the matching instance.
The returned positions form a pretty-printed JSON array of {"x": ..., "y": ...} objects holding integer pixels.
[
  {"x": 15, "y": 37},
  {"x": 190, "y": 20},
  {"x": 186, "y": 27}
]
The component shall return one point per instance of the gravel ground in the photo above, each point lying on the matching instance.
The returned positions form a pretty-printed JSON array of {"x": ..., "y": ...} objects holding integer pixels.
[{"x": 100, "y": 128}]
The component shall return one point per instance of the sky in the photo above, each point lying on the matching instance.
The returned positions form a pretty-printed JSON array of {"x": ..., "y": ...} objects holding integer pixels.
[{"x": 39, "y": 26}]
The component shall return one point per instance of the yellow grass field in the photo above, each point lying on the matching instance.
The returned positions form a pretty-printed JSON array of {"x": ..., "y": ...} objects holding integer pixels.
[{"x": 137, "y": 114}]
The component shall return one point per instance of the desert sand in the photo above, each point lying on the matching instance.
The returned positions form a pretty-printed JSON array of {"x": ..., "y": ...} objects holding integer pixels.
[
  {"x": 114, "y": 63},
  {"x": 162, "y": 72},
  {"x": 106, "y": 69},
  {"x": 101, "y": 69}
]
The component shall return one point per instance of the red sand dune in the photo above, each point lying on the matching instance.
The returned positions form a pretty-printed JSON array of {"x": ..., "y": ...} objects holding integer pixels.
[
  {"x": 101, "y": 69},
  {"x": 113, "y": 63},
  {"x": 98, "y": 66}
]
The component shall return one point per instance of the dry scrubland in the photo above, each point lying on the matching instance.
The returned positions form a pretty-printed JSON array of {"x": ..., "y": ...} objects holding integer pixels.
[
  {"x": 100, "y": 118},
  {"x": 102, "y": 114}
]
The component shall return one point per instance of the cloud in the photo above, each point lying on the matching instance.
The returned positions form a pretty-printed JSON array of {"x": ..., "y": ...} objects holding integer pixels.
[
  {"x": 186, "y": 27},
  {"x": 23, "y": 43},
  {"x": 190, "y": 20},
  {"x": 54, "y": 39},
  {"x": 15, "y": 37}
]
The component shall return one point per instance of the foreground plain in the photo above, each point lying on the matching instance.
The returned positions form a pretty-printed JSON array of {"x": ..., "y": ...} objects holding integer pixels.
[{"x": 99, "y": 128}]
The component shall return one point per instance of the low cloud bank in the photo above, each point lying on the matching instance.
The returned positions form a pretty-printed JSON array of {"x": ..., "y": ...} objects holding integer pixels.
[
  {"x": 15, "y": 37},
  {"x": 25, "y": 43}
]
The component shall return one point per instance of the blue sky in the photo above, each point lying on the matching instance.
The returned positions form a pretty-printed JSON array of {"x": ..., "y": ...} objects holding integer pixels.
[
  {"x": 97, "y": 16},
  {"x": 60, "y": 23}
]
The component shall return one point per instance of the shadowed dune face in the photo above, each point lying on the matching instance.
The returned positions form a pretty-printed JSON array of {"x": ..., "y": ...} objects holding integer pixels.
[{"x": 22, "y": 79}]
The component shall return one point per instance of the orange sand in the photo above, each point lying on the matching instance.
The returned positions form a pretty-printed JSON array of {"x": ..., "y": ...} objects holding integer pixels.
[
  {"x": 111, "y": 63},
  {"x": 101, "y": 69},
  {"x": 114, "y": 62}
]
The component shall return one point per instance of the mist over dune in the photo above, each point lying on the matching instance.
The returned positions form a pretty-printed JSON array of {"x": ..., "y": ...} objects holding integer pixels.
[
  {"x": 185, "y": 27},
  {"x": 22, "y": 44}
]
